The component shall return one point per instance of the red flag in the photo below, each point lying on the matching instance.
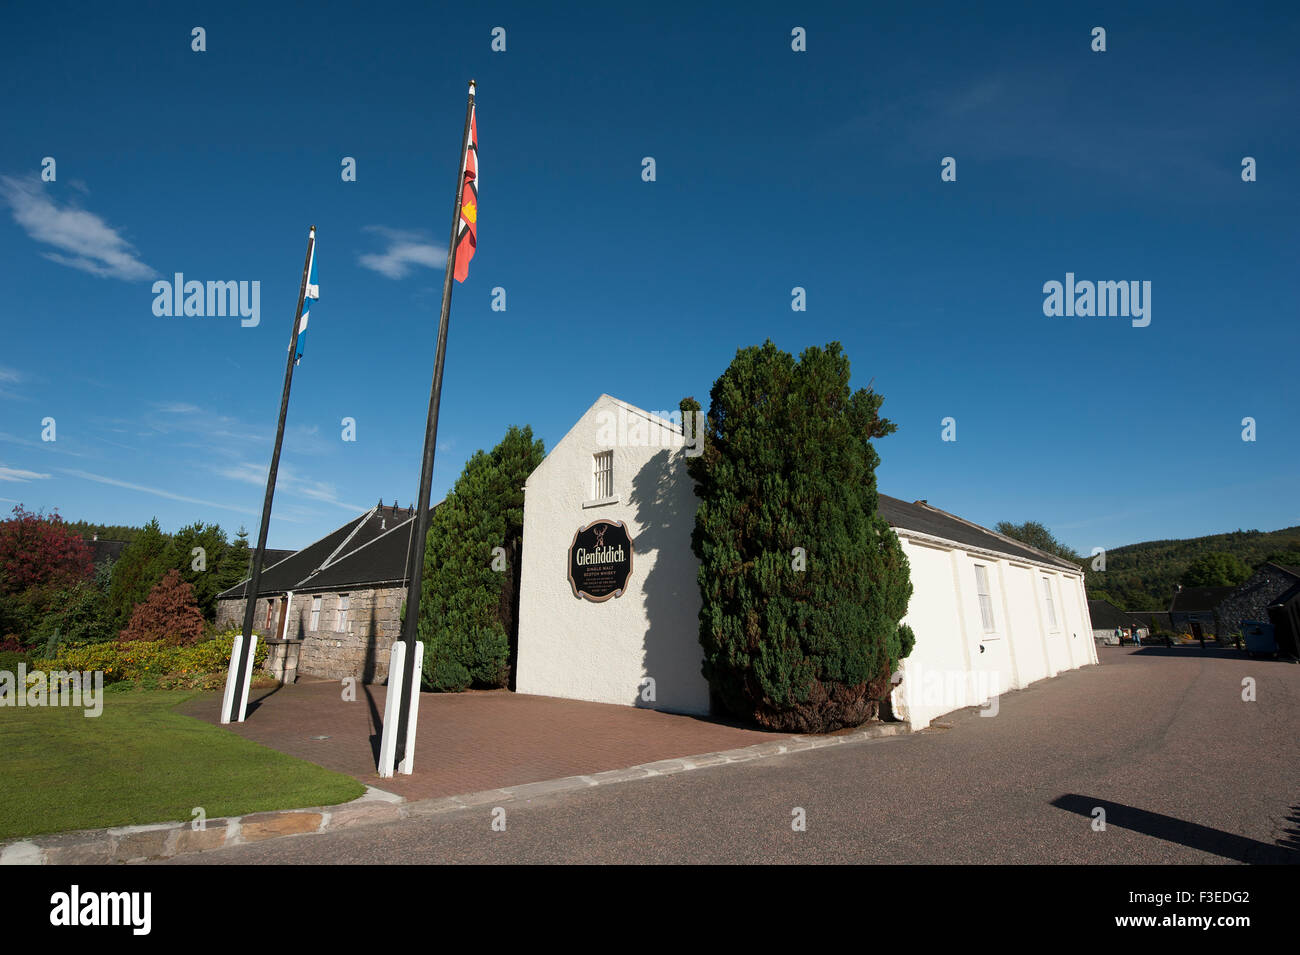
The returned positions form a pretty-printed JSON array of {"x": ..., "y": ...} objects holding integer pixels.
[{"x": 467, "y": 234}]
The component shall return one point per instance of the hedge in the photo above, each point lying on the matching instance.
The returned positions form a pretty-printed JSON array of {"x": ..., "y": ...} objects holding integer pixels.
[{"x": 198, "y": 666}]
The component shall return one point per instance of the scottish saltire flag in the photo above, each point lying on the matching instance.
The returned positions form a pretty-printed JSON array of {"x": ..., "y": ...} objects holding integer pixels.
[
  {"x": 312, "y": 292},
  {"x": 467, "y": 233}
]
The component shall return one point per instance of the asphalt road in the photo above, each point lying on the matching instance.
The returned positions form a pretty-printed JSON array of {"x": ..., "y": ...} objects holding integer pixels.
[{"x": 1186, "y": 771}]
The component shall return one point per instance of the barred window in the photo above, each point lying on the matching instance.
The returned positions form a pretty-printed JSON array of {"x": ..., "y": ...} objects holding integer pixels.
[
  {"x": 602, "y": 476},
  {"x": 986, "y": 597},
  {"x": 1052, "y": 625}
]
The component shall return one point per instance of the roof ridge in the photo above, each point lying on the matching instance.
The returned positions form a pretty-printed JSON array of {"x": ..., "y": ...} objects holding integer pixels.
[
  {"x": 347, "y": 540},
  {"x": 650, "y": 415},
  {"x": 243, "y": 584},
  {"x": 306, "y": 581},
  {"x": 1000, "y": 536}
]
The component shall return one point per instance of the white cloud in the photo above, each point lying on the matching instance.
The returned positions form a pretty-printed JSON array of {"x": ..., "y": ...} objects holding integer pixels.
[
  {"x": 17, "y": 474},
  {"x": 405, "y": 249},
  {"x": 93, "y": 245},
  {"x": 288, "y": 481},
  {"x": 114, "y": 482},
  {"x": 8, "y": 374}
]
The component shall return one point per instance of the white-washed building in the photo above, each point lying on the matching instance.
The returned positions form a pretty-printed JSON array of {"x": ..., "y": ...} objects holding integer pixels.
[{"x": 602, "y": 621}]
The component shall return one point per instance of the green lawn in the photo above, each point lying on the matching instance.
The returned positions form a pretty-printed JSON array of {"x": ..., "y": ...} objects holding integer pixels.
[{"x": 140, "y": 762}]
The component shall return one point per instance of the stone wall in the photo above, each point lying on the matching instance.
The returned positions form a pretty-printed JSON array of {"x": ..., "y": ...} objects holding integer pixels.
[
  {"x": 1250, "y": 601},
  {"x": 372, "y": 626},
  {"x": 359, "y": 650},
  {"x": 230, "y": 615}
]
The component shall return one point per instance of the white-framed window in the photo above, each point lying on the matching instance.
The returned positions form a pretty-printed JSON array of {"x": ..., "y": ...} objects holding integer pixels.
[
  {"x": 345, "y": 603},
  {"x": 1052, "y": 624},
  {"x": 315, "y": 613},
  {"x": 602, "y": 475},
  {"x": 986, "y": 598}
]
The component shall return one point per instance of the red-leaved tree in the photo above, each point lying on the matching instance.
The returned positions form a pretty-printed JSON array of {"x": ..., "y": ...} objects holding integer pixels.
[
  {"x": 40, "y": 551},
  {"x": 169, "y": 613}
]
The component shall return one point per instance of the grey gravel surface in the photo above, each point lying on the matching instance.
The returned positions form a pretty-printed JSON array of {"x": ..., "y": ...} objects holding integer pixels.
[{"x": 1161, "y": 740}]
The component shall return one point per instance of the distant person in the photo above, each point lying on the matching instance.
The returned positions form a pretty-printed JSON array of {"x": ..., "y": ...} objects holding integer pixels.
[
  {"x": 1137, "y": 637},
  {"x": 1119, "y": 636}
]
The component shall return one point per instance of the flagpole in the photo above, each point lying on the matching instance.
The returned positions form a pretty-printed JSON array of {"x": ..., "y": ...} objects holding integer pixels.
[
  {"x": 401, "y": 746},
  {"x": 235, "y": 700}
]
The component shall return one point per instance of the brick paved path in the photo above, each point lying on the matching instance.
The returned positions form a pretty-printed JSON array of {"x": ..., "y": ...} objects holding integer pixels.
[{"x": 471, "y": 741}]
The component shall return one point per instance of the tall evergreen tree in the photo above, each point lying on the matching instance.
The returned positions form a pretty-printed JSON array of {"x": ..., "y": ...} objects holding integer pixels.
[
  {"x": 203, "y": 571},
  {"x": 236, "y": 562},
  {"x": 470, "y": 590},
  {"x": 803, "y": 583},
  {"x": 141, "y": 566}
]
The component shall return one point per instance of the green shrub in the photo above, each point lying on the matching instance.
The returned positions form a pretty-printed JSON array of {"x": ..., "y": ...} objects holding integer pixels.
[
  {"x": 9, "y": 660},
  {"x": 803, "y": 584},
  {"x": 466, "y": 603},
  {"x": 153, "y": 662}
]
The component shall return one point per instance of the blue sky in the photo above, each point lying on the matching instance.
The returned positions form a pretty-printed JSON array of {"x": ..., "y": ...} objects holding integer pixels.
[{"x": 775, "y": 169}]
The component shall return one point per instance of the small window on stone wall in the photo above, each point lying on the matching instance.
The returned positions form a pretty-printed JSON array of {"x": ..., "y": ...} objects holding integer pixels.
[{"x": 345, "y": 603}]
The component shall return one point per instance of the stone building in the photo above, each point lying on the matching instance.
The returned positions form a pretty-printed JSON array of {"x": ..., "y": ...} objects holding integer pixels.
[
  {"x": 1252, "y": 598},
  {"x": 341, "y": 596},
  {"x": 1196, "y": 608}
]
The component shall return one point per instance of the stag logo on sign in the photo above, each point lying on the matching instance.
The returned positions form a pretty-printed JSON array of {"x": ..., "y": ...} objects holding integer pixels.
[
  {"x": 600, "y": 560},
  {"x": 74, "y": 908},
  {"x": 208, "y": 300}
]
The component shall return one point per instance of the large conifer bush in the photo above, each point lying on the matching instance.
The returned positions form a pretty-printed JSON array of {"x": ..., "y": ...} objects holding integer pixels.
[
  {"x": 468, "y": 606},
  {"x": 789, "y": 463}
]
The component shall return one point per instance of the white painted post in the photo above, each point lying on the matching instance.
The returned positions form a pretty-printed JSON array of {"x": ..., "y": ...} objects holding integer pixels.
[
  {"x": 408, "y": 758},
  {"x": 230, "y": 678},
  {"x": 388, "y": 740},
  {"x": 234, "y": 710}
]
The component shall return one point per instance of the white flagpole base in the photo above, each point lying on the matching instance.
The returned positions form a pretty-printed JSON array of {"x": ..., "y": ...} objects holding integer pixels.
[
  {"x": 407, "y": 766},
  {"x": 248, "y": 677},
  {"x": 230, "y": 678},
  {"x": 388, "y": 741}
]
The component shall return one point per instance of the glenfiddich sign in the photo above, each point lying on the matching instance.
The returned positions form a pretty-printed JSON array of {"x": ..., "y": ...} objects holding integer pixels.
[{"x": 600, "y": 560}]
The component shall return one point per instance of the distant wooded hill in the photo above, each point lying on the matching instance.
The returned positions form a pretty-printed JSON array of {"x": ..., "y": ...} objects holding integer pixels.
[
  {"x": 105, "y": 532},
  {"x": 1144, "y": 576}
]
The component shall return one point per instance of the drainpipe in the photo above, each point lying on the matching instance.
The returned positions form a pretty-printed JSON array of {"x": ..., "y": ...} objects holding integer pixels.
[{"x": 288, "y": 607}]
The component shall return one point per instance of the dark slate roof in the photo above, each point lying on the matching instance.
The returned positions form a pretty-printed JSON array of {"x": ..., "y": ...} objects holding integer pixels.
[
  {"x": 1144, "y": 618},
  {"x": 380, "y": 560},
  {"x": 102, "y": 550},
  {"x": 1285, "y": 568},
  {"x": 932, "y": 522},
  {"x": 1286, "y": 598},
  {"x": 1106, "y": 616},
  {"x": 1196, "y": 599},
  {"x": 330, "y": 558}
]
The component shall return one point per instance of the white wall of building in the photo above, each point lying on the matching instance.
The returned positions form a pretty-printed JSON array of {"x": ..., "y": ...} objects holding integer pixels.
[
  {"x": 572, "y": 647},
  {"x": 947, "y": 670},
  {"x": 575, "y": 648}
]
